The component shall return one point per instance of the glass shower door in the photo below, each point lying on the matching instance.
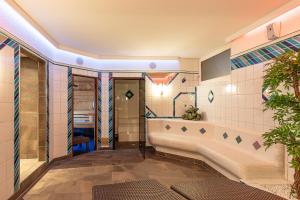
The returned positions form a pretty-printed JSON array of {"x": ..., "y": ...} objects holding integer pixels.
[{"x": 142, "y": 131}]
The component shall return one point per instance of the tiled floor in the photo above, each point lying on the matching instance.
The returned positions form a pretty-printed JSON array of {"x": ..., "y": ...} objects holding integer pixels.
[
  {"x": 27, "y": 166},
  {"x": 74, "y": 179}
]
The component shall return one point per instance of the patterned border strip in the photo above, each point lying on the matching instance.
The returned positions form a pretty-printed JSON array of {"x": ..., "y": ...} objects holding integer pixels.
[
  {"x": 16, "y": 115},
  {"x": 70, "y": 109},
  {"x": 110, "y": 110},
  {"x": 150, "y": 113},
  {"x": 266, "y": 53},
  {"x": 178, "y": 95},
  {"x": 11, "y": 43},
  {"x": 99, "y": 91},
  {"x": 47, "y": 117}
]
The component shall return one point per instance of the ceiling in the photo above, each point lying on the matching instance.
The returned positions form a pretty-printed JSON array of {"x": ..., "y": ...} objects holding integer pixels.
[{"x": 160, "y": 28}]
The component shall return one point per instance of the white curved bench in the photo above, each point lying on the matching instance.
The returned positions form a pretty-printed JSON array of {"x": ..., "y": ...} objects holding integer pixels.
[{"x": 234, "y": 160}]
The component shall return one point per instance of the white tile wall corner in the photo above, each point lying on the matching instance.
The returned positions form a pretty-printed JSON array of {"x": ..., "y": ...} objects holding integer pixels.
[
  {"x": 58, "y": 111},
  {"x": 237, "y": 100},
  {"x": 6, "y": 122},
  {"x": 104, "y": 108},
  {"x": 83, "y": 72},
  {"x": 242, "y": 108}
]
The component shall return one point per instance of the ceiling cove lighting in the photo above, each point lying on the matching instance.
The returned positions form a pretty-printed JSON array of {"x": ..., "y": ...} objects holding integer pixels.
[
  {"x": 289, "y": 14},
  {"x": 12, "y": 22}
]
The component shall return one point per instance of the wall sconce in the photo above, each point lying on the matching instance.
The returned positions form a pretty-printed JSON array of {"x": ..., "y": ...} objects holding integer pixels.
[{"x": 160, "y": 89}]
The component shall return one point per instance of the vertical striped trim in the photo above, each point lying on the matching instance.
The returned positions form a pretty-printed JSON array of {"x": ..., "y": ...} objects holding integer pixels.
[
  {"x": 70, "y": 110},
  {"x": 110, "y": 110},
  {"x": 47, "y": 117},
  {"x": 16, "y": 117},
  {"x": 11, "y": 43},
  {"x": 99, "y": 114},
  {"x": 266, "y": 53}
]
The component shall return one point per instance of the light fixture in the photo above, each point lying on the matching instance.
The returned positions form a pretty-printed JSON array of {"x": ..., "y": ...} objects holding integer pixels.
[{"x": 159, "y": 89}]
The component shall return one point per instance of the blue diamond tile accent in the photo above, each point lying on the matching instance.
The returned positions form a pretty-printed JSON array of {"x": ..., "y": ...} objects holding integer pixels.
[
  {"x": 167, "y": 126},
  {"x": 211, "y": 96},
  {"x": 184, "y": 129},
  {"x": 129, "y": 94},
  {"x": 225, "y": 135},
  {"x": 202, "y": 130},
  {"x": 256, "y": 145},
  {"x": 238, "y": 139}
]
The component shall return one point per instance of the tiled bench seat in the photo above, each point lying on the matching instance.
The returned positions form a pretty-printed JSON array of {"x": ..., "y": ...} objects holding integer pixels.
[{"x": 236, "y": 154}]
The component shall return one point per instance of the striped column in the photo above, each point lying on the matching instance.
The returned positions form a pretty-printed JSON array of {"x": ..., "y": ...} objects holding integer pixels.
[
  {"x": 16, "y": 116},
  {"x": 110, "y": 110},
  {"x": 47, "y": 117},
  {"x": 99, "y": 114},
  {"x": 70, "y": 109}
]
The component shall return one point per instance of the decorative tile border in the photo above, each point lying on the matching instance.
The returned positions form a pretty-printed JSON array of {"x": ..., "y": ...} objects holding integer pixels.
[
  {"x": 168, "y": 127},
  {"x": 70, "y": 109},
  {"x": 184, "y": 129},
  {"x": 47, "y": 117},
  {"x": 99, "y": 114},
  {"x": 178, "y": 95},
  {"x": 149, "y": 113},
  {"x": 16, "y": 48},
  {"x": 238, "y": 139},
  {"x": 256, "y": 145},
  {"x": 266, "y": 53},
  {"x": 225, "y": 136},
  {"x": 265, "y": 95},
  {"x": 11, "y": 43},
  {"x": 202, "y": 131},
  {"x": 110, "y": 110},
  {"x": 210, "y": 96}
]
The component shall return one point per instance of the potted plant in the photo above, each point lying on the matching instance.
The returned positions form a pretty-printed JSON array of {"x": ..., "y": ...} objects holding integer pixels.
[
  {"x": 192, "y": 114},
  {"x": 282, "y": 79}
]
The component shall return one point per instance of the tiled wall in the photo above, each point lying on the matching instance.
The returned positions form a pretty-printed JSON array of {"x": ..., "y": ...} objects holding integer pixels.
[
  {"x": 237, "y": 100},
  {"x": 6, "y": 121},
  {"x": 127, "y": 110},
  {"x": 58, "y": 91},
  {"x": 105, "y": 109},
  {"x": 180, "y": 93},
  {"x": 29, "y": 101}
]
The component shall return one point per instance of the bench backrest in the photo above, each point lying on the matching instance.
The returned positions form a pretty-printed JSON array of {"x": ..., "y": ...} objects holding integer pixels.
[{"x": 242, "y": 140}]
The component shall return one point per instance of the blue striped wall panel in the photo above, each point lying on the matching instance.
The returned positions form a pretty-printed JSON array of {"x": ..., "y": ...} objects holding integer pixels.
[
  {"x": 266, "y": 53},
  {"x": 70, "y": 110},
  {"x": 99, "y": 113},
  {"x": 110, "y": 110}
]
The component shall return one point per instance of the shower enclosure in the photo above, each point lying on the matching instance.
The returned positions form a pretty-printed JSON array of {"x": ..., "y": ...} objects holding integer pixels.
[
  {"x": 33, "y": 113},
  {"x": 129, "y": 113}
]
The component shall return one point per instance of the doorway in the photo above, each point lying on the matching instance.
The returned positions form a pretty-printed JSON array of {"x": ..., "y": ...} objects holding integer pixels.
[
  {"x": 84, "y": 114},
  {"x": 129, "y": 109},
  {"x": 33, "y": 113}
]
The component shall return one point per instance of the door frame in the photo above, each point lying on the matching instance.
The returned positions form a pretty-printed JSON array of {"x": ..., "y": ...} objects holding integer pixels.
[
  {"x": 114, "y": 99},
  {"x": 96, "y": 110}
]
